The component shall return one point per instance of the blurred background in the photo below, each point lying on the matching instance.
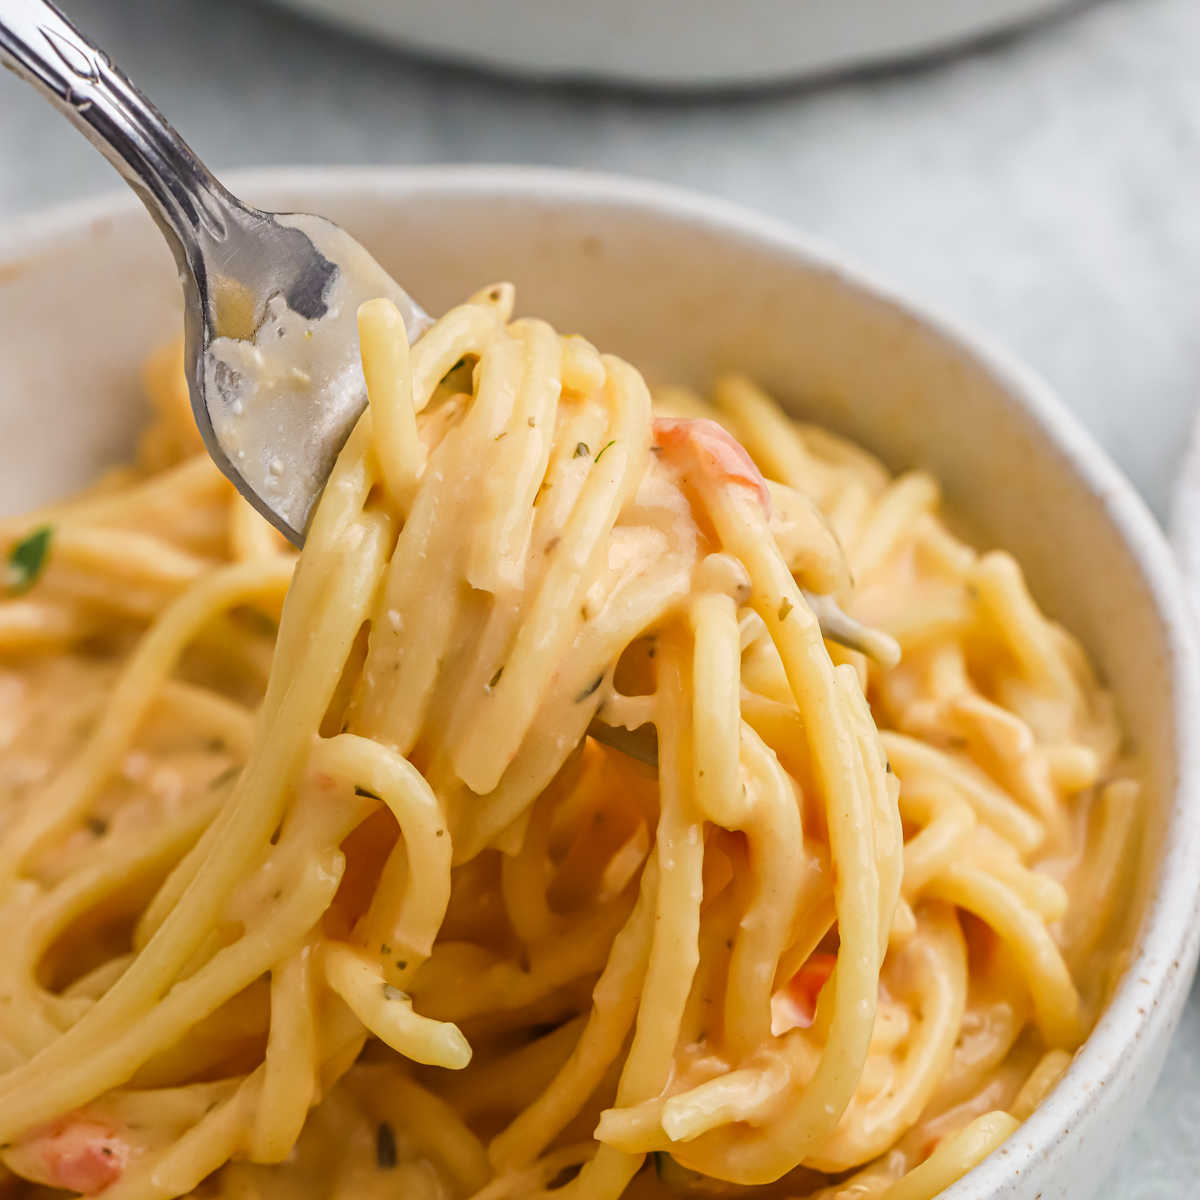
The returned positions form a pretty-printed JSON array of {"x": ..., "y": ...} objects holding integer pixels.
[{"x": 1029, "y": 166}]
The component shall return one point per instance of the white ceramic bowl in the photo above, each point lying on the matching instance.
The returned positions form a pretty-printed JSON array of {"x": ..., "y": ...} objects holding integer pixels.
[
  {"x": 678, "y": 43},
  {"x": 684, "y": 286}
]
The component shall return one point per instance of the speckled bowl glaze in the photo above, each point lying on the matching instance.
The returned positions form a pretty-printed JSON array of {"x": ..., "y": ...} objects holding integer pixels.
[{"x": 684, "y": 286}]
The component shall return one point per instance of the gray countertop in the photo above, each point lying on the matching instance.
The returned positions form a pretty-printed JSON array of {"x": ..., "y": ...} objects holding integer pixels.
[{"x": 1046, "y": 188}]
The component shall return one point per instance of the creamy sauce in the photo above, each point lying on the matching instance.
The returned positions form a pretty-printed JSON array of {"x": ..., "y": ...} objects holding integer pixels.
[{"x": 283, "y": 400}]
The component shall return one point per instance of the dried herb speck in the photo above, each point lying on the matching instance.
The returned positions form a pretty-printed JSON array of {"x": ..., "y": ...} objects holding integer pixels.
[
  {"x": 226, "y": 776},
  {"x": 385, "y": 1146},
  {"x": 462, "y": 362},
  {"x": 582, "y": 449},
  {"x": 601, "y": 452},
  {"x": 564, "y": 1177}
]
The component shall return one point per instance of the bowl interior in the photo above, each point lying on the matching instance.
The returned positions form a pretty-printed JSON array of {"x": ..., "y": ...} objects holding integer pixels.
[{"x": 683, "y": 289}]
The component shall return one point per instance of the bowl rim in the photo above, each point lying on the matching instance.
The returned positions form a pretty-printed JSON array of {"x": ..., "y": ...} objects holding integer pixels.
[{"x": 1155, "y": 980}]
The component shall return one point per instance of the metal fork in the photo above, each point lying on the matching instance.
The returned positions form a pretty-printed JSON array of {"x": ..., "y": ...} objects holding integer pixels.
[
  {"x": 239, "y": 267},
  {"x": 254, "y": 283}
]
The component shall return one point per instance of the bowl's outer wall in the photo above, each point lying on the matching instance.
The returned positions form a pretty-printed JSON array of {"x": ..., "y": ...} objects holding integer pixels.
[
  {"x": 665, "y": 44},
  {"x": 684, "y": 289}
]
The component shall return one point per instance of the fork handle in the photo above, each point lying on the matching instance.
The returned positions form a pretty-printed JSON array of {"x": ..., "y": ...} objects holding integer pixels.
[{"x": 41, "y": 46}]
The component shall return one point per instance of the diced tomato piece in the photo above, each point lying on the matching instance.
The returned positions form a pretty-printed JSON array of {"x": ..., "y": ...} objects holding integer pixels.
[
  {"x": 716, "y": 451},
  {"x": 79, "y": 1154},
  {"x": 929, "y": 1147},
  {"x": 804, "y": 989}
]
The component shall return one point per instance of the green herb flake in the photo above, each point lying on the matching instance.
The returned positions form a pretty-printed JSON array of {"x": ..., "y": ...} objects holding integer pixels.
[
  {"x": 27, "y": 560},
  {"x": 226, "y": 776},
  {"x": 385, "y": 1146},
  {"x": 600, "y": 453},
  {"x": 564, "y": 1177},
  {"x": 261, "y": 622},
  {"x": 461, "y": 363},
  {"x": 785, "y": 607},
  {"x": 582, "y": 449}
]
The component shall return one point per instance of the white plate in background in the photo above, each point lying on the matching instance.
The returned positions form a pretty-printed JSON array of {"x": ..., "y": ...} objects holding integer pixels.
[{"x": 678, "y": 43}]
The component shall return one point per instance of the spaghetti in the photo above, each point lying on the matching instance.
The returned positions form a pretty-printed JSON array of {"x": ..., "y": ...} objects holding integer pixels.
[{"x": 313, "y": 883}]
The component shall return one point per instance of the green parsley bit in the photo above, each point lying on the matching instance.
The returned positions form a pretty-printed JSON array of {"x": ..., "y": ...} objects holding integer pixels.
[
  {"x": 27, "y": 559},
  {"x": 226, "y": 776}
]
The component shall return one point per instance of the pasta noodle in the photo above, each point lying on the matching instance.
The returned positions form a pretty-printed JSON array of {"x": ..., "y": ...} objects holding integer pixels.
[{"x": 328, "y": 876}]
